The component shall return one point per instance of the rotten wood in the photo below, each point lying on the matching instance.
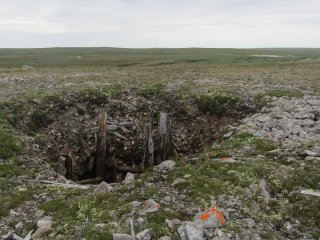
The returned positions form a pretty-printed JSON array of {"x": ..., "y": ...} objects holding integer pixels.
[
  {"x": 126, "y": 169},
  {"x": 101, "y": 153},
  {"x": 119, "y": 136},
  {"x": 165, "y": 136},
  {"x": 90, "y": 181},
  {"x": 69, "y": 163},
  {"x": 148, "y": 158}
]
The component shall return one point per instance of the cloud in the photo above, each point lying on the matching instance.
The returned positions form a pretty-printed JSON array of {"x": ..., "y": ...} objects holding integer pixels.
[{"x": 160, "y": 23}]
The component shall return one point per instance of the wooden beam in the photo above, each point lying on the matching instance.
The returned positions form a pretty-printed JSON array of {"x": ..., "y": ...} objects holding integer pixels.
[
  {"x": 101, "y": 153},
  {"x": 165, "y": 136},
  {"x": 148, "y": 158}
]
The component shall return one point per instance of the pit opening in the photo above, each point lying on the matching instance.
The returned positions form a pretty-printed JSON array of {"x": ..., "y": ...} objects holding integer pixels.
[{"x": 70, "y": 124}]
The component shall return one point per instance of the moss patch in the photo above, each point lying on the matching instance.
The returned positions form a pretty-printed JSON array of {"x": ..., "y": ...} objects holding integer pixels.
[
  {"x": 215, "y": 103},
  {"x": 9, "y": 144},
  {"x": 151, "y": 90}
]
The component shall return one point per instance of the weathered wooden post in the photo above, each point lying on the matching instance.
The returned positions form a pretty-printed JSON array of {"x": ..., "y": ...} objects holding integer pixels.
[
  {"x": 101, "y": 153},
  {"x": 148, "y": 147},
  {"x": 69, "y": 165},
  {"x": 165, "y": 136}
]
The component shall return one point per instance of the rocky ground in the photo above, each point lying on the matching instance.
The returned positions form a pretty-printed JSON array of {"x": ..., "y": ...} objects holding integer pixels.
[
  {"x": 259, "y": 181},
  {"x": 245, "y": 166}
]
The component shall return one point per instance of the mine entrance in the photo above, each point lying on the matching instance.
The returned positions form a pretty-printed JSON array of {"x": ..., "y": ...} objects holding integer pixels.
[{"x": 156, "y": 146}]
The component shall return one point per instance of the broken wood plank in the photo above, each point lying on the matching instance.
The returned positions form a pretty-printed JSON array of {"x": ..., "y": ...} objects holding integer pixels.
[
  {"x": 119, "y": 135},
  {"x": 69, "y": 164},
  {"x": 165, "y": 136},
  {"x": 90, "y": 181},
  {"x": 101, "y": 153},
  {"x": 148, "y": 158},
  {"x": 126, "y": 169},
  {"x": 163, "y": 123}
]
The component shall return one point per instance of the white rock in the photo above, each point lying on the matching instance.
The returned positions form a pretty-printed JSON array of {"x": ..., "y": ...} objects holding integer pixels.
[
  {"x": 19, "y": 225},
  {"x": 165, "y": 167},
  {"x": 129, "y": 180},
  {"x": 103, "y": 187},
  {"x": 144, "y": 235},
  {"x": 191, "y": 230},
  {"x": 173, "y": 223},
  {"x": 165, "y": 238},
  {"x": 178, "y": 181},
  {"x": 311, "y": 153},
  {"x": 44, "y": 227},
  {"x": 151, "y": 206},
  {"x": 121, "y": 237}
]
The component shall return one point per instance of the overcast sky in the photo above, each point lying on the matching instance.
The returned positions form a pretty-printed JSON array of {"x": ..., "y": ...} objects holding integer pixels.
[{"x": 160, "y": 23}]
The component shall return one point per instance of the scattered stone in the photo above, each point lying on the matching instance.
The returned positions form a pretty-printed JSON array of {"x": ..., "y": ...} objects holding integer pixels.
[
  {"x": 103, "y": 187},
  {"x": 263, "y": 191},
  {"x": 165, "y": 238},
  {"x": 19, "y": 225},
  {"x": 167, "y": 199},
  {"x": 101, "y": 225},
  {"x": 312, "y": 158},
  {"x": 39, "y": 213},
  {"x": 224, "y": 160},
  {"x": 6, "y": 236},
  {"x": 136, "y": 204},
  {"x": 173, "y": 223},
  {"x": 311, "y": 153},
  {"x": 178, "y": 181},
  {"x": 129, "y": 180},
  {"x": 44, "y": 227},
  {"x": 191, "y": 230},
  {"x": 165, "y": 167},
  {"x": 251, "y": 223},
  {"x": 121, "y": 237},
  {"x": 310, "y": 192},
  {"x": 151, "y": 206},
  {"x": 144, "y": 235},
  {"x": 26, "y": 67},
  {"x": 141, "y": 221}
]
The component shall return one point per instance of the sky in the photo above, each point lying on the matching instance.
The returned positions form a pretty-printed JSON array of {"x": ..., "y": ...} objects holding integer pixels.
[{"x": 159, "y": 23}]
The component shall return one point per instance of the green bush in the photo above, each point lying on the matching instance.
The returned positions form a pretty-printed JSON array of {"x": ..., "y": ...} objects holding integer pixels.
[
  {"x": 152, "y": 90},
  {"x": 9, "y": 145},
  {"x": 101, "y": 95},
  {"x": 38, "y": 119},
  {"x": 215, "y": 103}
]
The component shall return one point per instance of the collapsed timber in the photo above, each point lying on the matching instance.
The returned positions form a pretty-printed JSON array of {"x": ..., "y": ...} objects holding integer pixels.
[{"x": 90, "y": 137}]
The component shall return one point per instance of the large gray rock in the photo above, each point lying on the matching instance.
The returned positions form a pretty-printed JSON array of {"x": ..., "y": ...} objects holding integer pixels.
[{"x": 191, "y": 230}]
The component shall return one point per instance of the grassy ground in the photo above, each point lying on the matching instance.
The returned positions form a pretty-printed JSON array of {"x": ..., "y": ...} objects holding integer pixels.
[{"x": 210, "y": 77}]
